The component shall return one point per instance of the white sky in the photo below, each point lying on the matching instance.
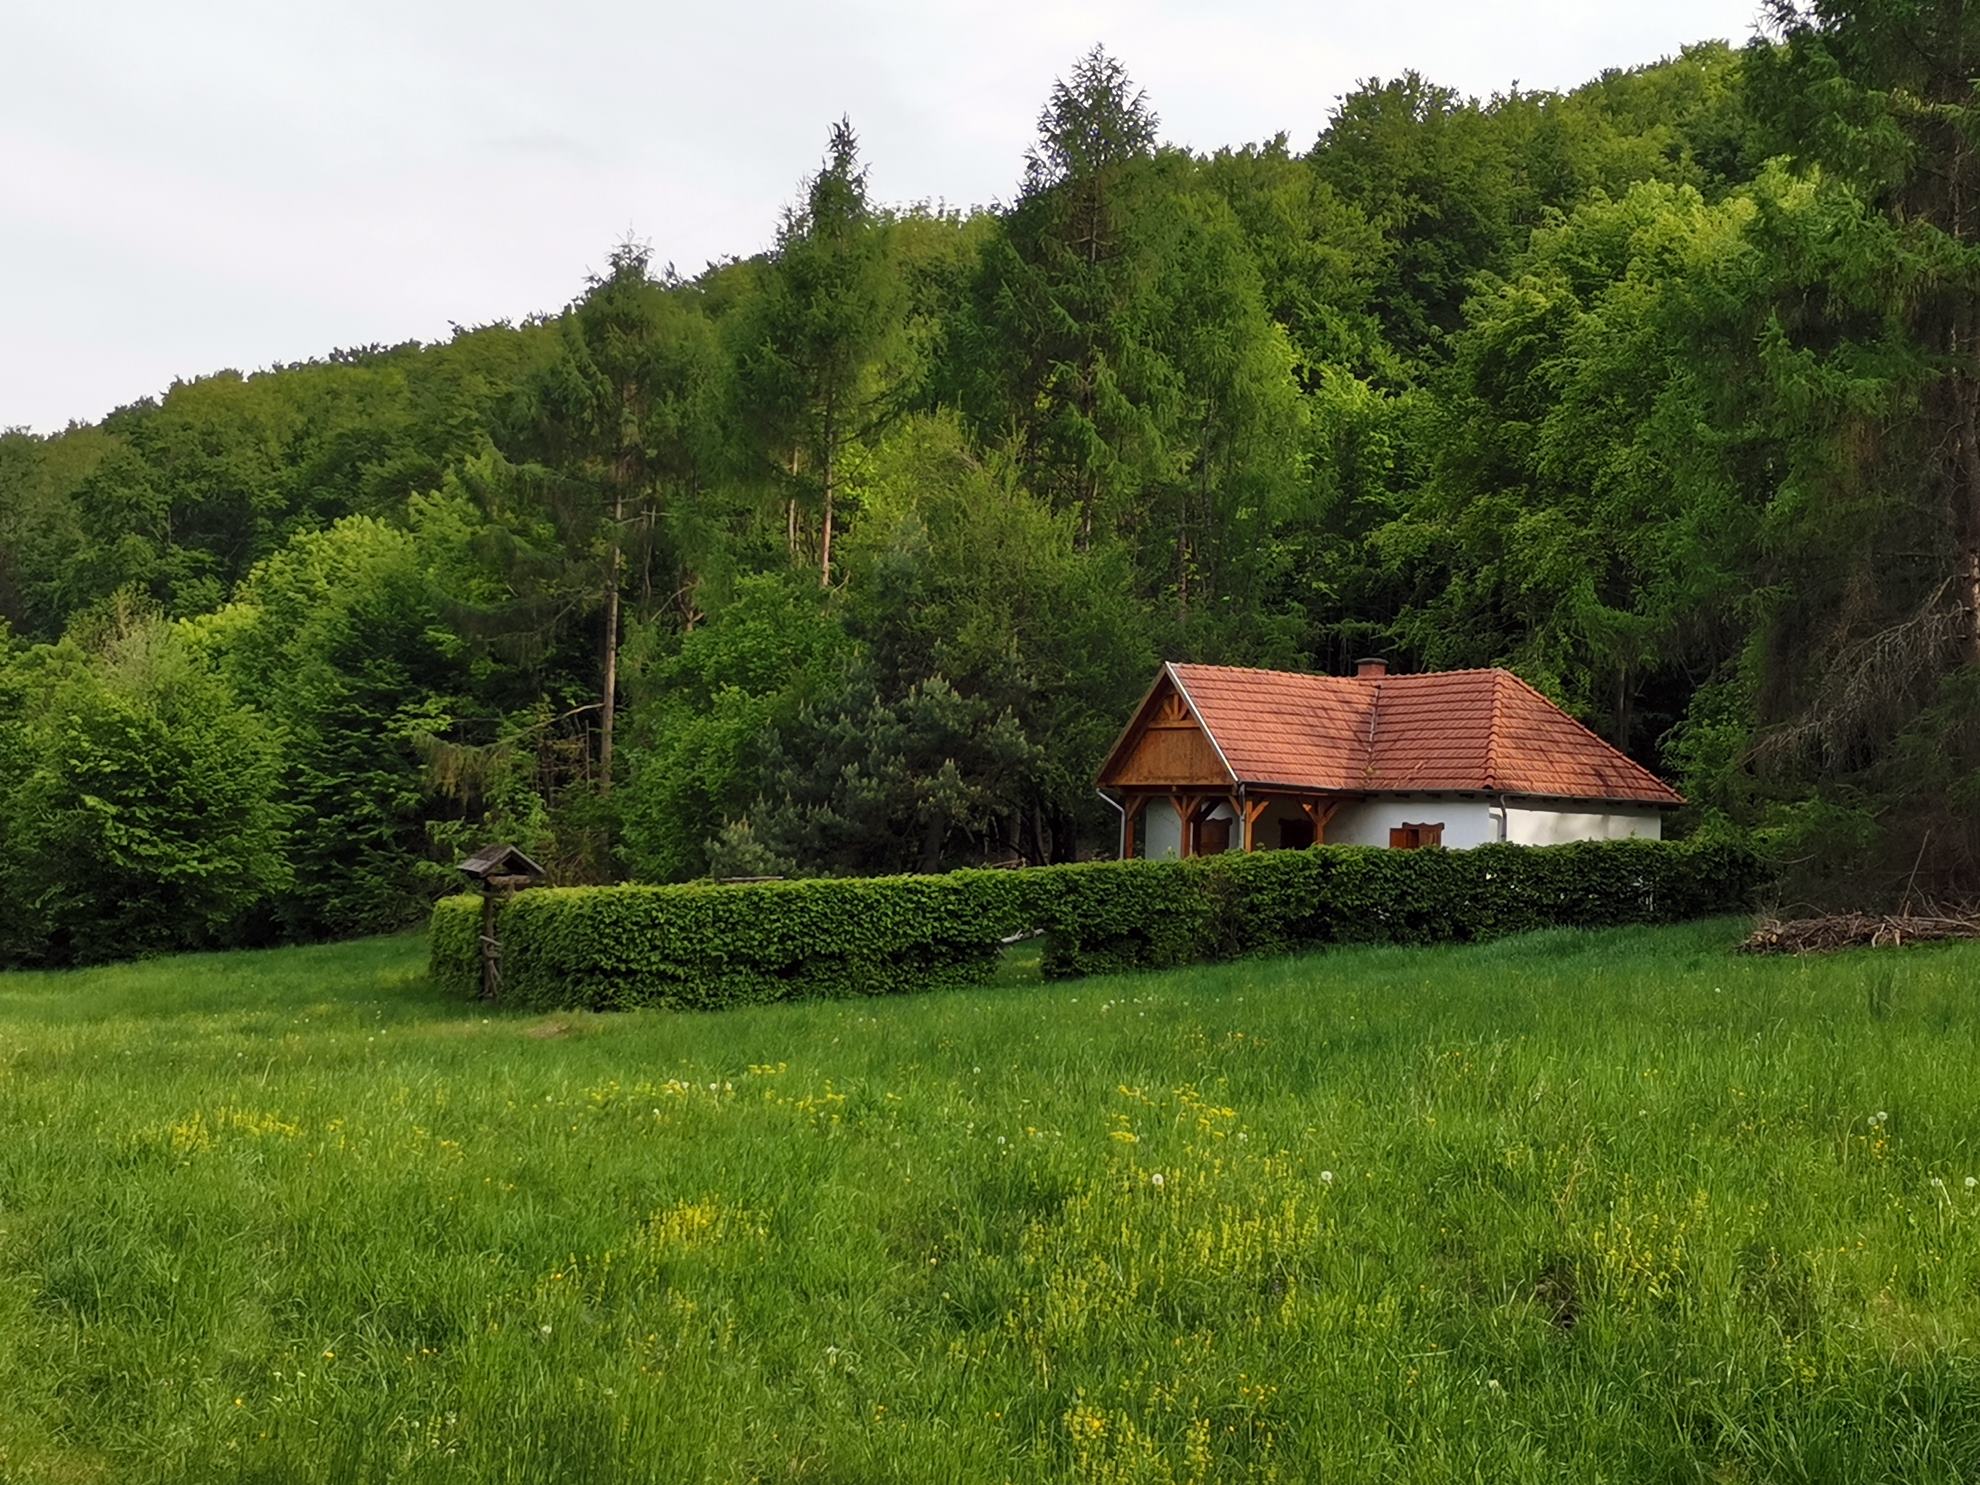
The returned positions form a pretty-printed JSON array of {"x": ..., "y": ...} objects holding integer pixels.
[{"x": 191, "y": 186}]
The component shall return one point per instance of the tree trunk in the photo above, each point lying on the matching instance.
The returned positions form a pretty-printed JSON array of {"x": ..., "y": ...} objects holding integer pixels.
[
  {"x": 791, "y": 509},
  {"x": 609, "y": 701},
  {"x": 933, "y": 834},
  {"x": 825, "y": 523}
]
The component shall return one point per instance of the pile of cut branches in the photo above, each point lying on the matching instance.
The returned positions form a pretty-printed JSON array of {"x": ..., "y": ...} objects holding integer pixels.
[{"x": 1859, "y": 931}]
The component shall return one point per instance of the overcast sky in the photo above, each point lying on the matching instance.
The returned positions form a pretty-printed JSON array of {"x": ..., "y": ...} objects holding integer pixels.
[{"x": 186, "y": 187}]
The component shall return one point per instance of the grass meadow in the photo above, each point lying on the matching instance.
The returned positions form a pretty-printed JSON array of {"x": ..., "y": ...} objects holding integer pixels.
[{"x": 1578, "y": 1206}]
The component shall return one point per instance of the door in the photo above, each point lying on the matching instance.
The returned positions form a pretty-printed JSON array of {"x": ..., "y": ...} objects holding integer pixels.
[{"x": 1212, "y": 836}]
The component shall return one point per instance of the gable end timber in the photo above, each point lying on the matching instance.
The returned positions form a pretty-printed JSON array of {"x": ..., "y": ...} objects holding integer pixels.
[{"x": 1165, "y": 745}]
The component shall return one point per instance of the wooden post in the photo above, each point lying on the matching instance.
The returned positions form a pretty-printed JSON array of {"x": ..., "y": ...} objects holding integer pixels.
[
  {"x": 1254, "y": 810},
  {"x": 495, "y": 892},
  {"x": 491, "y": 945},
  {"x": 1186, "y": 816},
  {"x": 500, "y": 871},
  {"x": 1130, "y": 807},
  {"x": 1320, "y": 815}
]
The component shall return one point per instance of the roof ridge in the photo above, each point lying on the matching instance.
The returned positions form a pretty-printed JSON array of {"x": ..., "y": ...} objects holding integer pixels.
[
  {"x": 1322, "y": 675},
  {"x": 1492, "y": 737}
]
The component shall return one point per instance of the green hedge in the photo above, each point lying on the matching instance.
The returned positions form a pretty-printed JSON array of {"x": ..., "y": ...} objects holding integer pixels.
[
  {"x": 705, "y": 946},
  {"x": 1152, "y": 914},
  {"x": 454, "y": 944}
]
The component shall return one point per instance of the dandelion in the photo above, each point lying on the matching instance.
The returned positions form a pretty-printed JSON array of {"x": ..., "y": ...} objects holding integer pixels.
[
  {"x": 1971, "y": 1182},
  {"x": 1155, "y": 1180},
  {"x": 545, "y": 1329},
  {"x": 1326, "y": 1178},
  {"x": 1492, "y": 1385}
]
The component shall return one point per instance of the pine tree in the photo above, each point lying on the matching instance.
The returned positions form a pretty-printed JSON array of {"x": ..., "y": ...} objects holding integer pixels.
[
  {"x": 1870, "y": 364},
  {"x": 830, "y": 308}
]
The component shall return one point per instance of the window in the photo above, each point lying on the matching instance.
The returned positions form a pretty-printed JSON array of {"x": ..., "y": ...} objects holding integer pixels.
[
  {"x": 1295, "y": 835},
  {"x": 1409, "y": 837}
]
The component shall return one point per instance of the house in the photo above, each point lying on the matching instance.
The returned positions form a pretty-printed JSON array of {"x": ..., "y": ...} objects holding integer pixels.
[{"x": 1219, "y": 758}]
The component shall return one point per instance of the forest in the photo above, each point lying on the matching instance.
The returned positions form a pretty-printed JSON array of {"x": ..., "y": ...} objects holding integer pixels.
[{"x": 852, "y": 556}]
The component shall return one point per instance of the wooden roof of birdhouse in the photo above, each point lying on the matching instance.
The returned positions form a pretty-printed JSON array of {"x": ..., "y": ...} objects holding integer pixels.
[{"x": 500, "y": 861}]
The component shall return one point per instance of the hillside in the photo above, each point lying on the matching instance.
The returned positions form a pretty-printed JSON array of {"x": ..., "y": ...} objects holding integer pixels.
[
  {"x": 1571, "y": 1206},
  {"x": 852, "y": 556}
]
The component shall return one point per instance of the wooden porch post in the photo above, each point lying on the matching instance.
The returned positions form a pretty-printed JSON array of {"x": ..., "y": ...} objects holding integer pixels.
[
  {"x": 1185, "y": 818},
  {"x": 1253, "y": 810},
  {"x": 1320, "y": 815},
  {"x": 1130, "y": 807}
]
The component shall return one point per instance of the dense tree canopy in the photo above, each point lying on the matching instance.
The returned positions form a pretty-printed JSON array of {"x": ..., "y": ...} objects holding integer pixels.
[{"x": 852, "y": 556}]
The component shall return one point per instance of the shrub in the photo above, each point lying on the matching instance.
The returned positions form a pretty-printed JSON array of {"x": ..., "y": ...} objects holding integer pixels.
[
  {"x": 454, "y": 944},
  {"x": 143, "y": 817},
  {"x": 706, "y": 945},
  {"x": 703, "y": 945},
  {"x": 1142, "y": 914}
]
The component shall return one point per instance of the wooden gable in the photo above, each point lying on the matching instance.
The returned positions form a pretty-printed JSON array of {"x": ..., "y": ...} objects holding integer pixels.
[{"x": 1165, "y": 746}]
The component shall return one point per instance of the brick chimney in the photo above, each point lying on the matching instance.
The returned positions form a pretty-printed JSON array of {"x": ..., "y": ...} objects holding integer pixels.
[{"x": 1371, "y": 669}]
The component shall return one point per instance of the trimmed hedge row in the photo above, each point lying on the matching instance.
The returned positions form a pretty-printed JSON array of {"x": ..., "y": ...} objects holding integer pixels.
[
  {"x": 704, "y": 946},
  {"x": 1150, "y": 914}
]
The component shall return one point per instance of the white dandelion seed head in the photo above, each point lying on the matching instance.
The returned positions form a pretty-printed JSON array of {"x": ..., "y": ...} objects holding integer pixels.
[
  {"x": 1155, "y": 1178},
  {"x": 1327, "y": 1177}
]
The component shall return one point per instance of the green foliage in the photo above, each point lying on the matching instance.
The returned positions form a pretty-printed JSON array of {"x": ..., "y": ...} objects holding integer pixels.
[
  {"x": 339, "y": 637},
  {"x": 706, "y": 717},
  {"x": 454, "y": 944},
  {"x": 1157, "y": 914},
  {"x": 147, "y": 817},
  {"x": 1660, "y": 391},
  {"x": 705, "y": 947},
  {"x": 701, "y": 947}
]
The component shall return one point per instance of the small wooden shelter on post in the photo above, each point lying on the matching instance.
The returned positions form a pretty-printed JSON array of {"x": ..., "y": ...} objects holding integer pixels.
[{"x": 501, "y": 871}]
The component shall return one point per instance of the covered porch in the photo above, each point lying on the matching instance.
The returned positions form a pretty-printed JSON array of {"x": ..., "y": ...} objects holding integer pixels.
[{"x": 1177, "y": 822}]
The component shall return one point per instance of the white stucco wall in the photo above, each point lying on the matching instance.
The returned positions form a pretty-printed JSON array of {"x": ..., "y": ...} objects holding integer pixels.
[
  {"x": 1367, "y": 822},
  {"x": 1160, "y": 831},
  {"x": 1540, "y": 825},
  {"x": 1466, "y": 822}
]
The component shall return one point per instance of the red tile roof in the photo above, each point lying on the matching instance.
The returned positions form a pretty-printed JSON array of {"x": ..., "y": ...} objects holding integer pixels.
[{"x": 1449, "y": 731}]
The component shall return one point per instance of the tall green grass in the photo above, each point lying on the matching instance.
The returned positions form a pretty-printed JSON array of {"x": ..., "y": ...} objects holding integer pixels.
[{"x": 1569, "y": 1207}]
